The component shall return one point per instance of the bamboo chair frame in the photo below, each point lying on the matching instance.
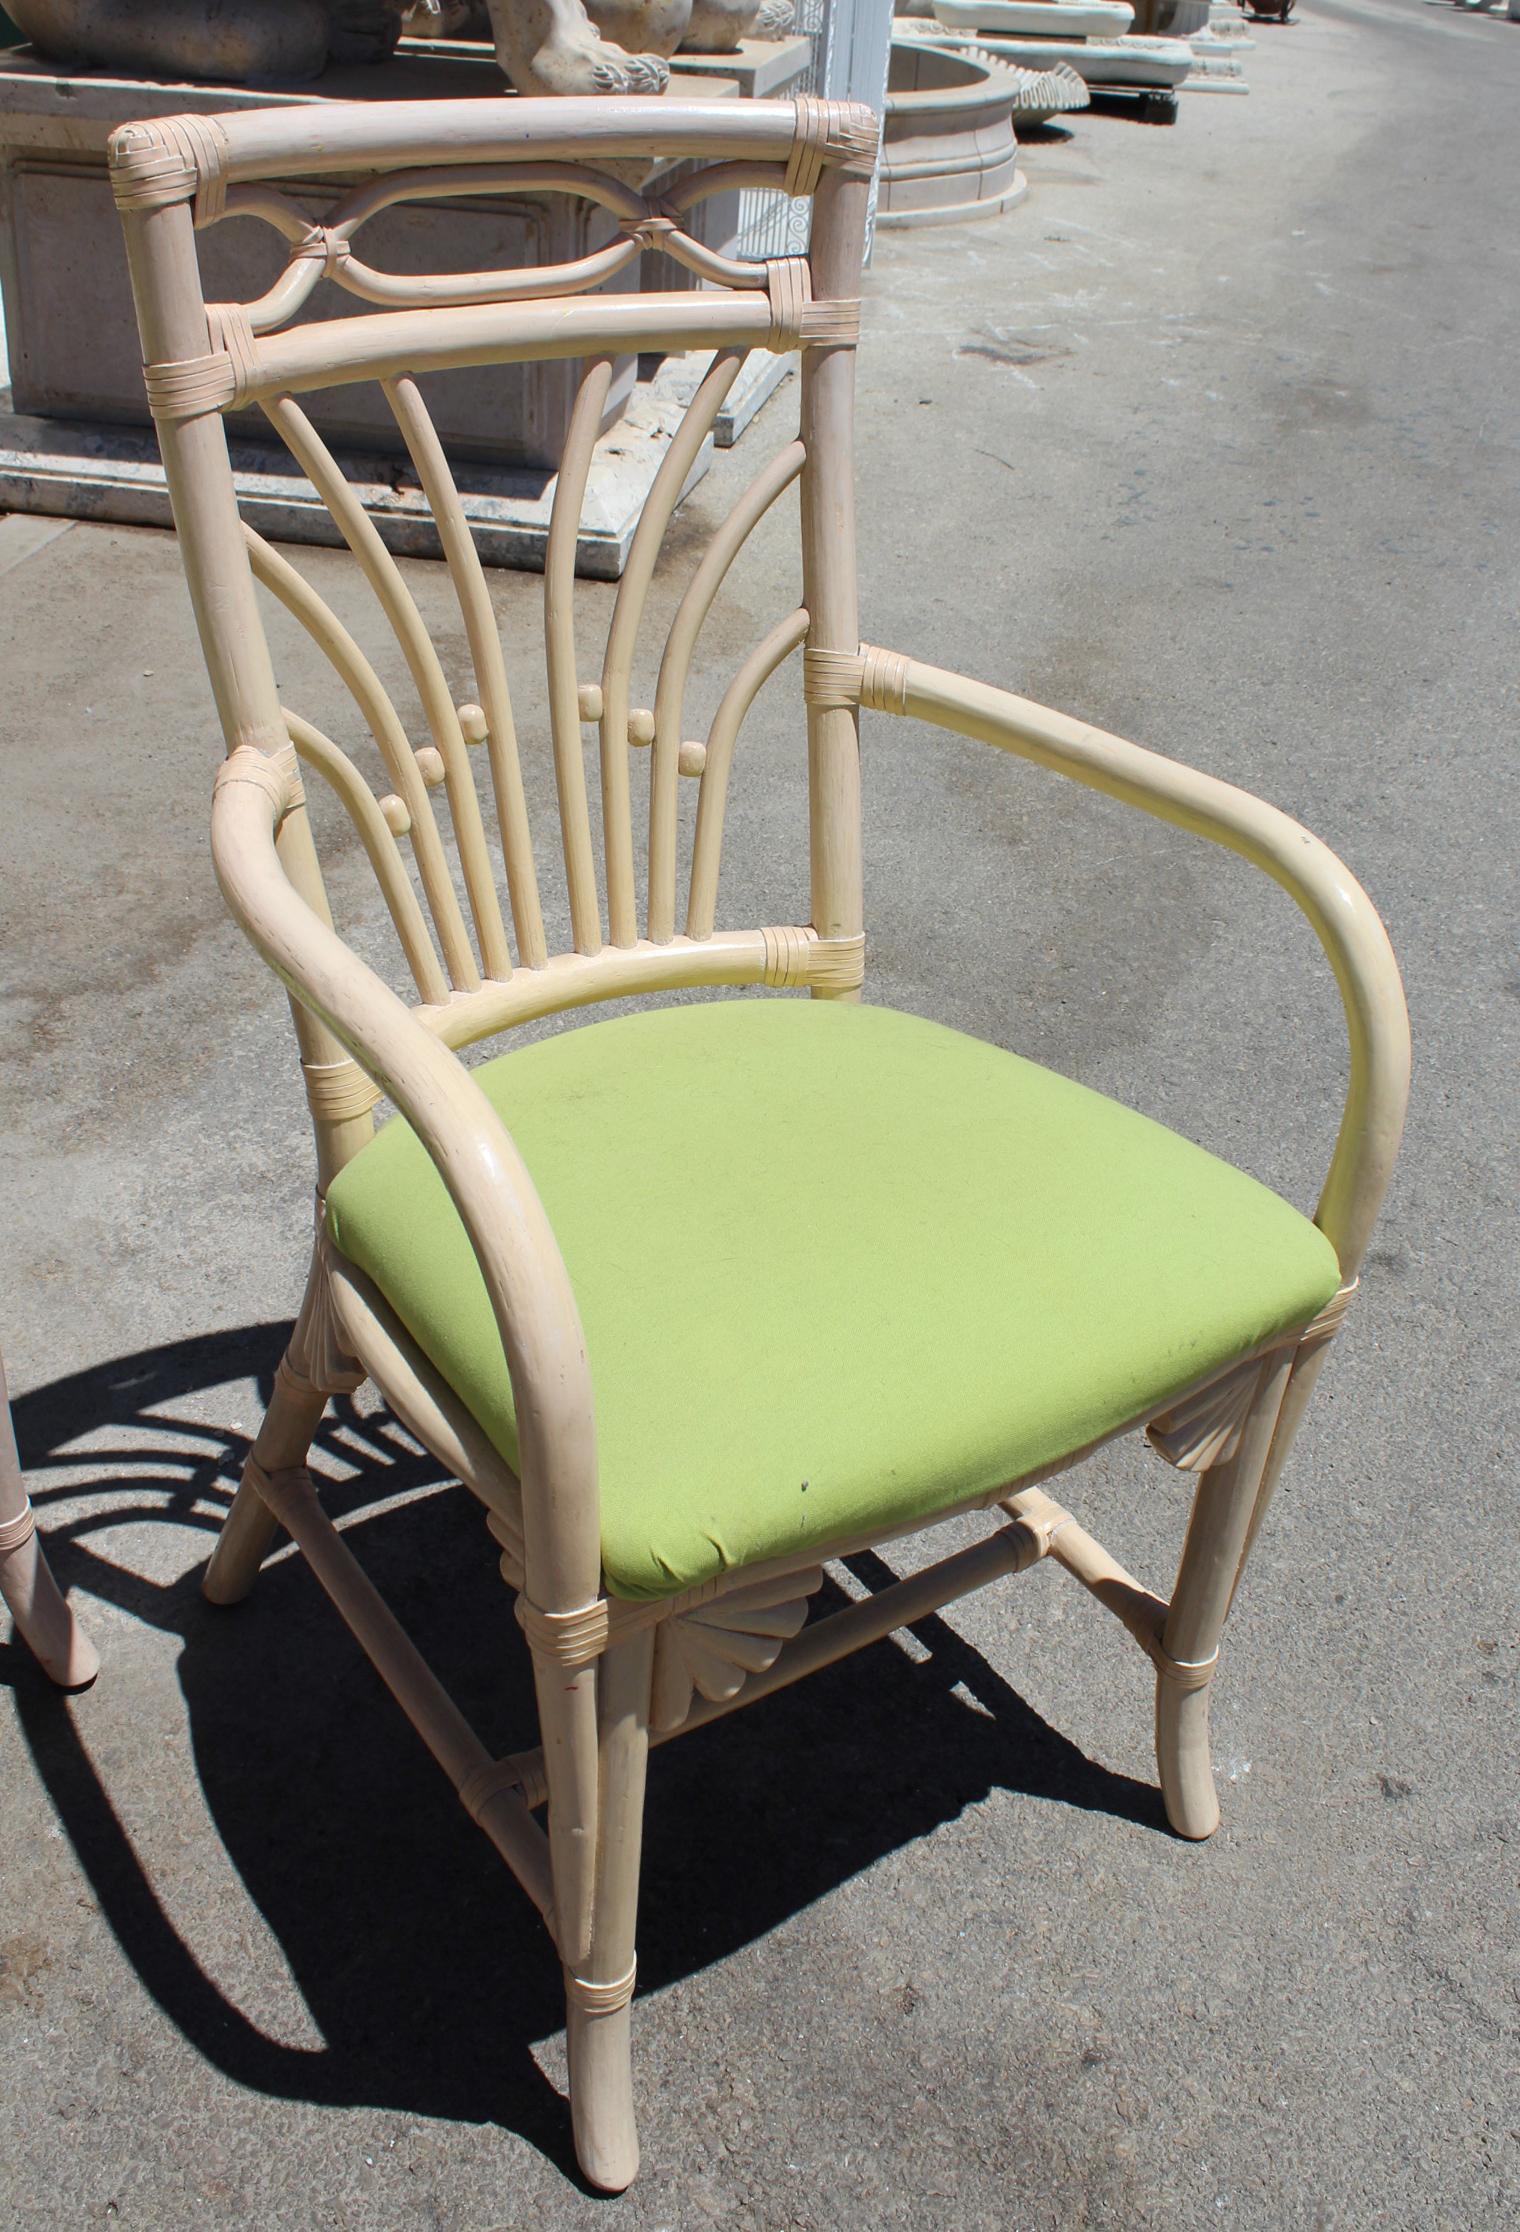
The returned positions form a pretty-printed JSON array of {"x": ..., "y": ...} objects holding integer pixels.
[
  {"x": 43, "y": 1616},
  {"x": 613, "y": 1677}
]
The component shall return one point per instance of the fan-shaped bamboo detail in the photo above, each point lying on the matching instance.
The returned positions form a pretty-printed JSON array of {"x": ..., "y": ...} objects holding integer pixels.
[
  {"x": 713, "y": 1651},
  {"x": 317, "y": 1358},
  {"x": 1204, "y": 1429}
]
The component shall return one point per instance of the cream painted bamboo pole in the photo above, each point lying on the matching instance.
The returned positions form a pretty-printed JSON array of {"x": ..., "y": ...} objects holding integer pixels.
[
  {"x": 410, "y": 1680},
  {"x": 719, "y": 178},
  {"x": 442, "y": 178},
  {"x": 708, "y": 578},
  {"x": 391, "y": 135},
  {"x": 369, "y": 694},
  {"x": 1139, "y": 1609},
  {"x": 523, "y": 1273},
  {"x": 492, "y": 1191},
  {"x": 486, "y": 657},
  {"x": 666, "y": 755},
  {"x": 281, "y": 1444},
  {"x": 707, "y": 844},
  {"x": 383, "y": 344},
  {"x": 599, "y": 2020},
  {"x": 569, "y": 980},
  {"x": 1211, "y": 1557},
  {"x": 396, "y": 601},
  {"x": 171, "y": 317},
  {"x": 1342, "y": 916},
  {"x": 381, "y": 848},
  {"x": 33, "y": 1598},
  {"x": 419, "y": 1395},
  {"x": 559, "y": 651},
  {"x": 829, "y": 590},
  {"x": 440, "y": 289}
]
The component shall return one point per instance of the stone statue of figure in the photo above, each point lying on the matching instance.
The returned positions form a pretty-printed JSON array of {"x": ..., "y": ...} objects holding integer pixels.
[
  {"x": 646, "y": 32},
  {"x": 543, "y": 46},
  {"x": 553, "y": 46},
  {"x": 238, "y": 42}
]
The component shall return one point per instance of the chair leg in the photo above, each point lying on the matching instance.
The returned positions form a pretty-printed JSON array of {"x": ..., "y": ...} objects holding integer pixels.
[
  {"x": 35, "y": 1602},
  {"x": 598, "y": 2013},
  {"x": 1218, "y": 1536},
  {"x": 313, "y": 1368},
  {"x": 249, "y": 1529}
]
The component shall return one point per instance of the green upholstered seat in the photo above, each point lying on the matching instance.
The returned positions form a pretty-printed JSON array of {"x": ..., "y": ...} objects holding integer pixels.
[{"x": 839, "y": 1269}]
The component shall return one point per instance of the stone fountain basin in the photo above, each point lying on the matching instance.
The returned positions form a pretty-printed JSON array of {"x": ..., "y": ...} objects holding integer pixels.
[
  {"x": 1039, "y": 19},
  {"x": 948, "y": 145},
  {"x": 1161, "y": 64}
]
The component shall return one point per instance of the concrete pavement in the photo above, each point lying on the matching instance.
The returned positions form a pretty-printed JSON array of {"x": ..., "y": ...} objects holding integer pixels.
[{"x": 1215, "y": 442}]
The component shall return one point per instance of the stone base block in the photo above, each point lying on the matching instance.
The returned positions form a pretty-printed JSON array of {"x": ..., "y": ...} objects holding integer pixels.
[{"x": 73, "y": 469}]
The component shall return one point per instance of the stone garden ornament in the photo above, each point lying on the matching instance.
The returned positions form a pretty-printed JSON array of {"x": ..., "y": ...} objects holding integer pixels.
[
  {"x": 543, "y": 46},
  {"x": 234, "y": 42},
  {"x": 553, "y": 46},
  {"x": 694, "y": 1299}
]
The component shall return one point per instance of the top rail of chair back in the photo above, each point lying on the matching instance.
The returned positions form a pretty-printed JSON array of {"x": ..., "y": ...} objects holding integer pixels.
[
  {"x": 247, "y": 146},
  {"x": 390, "y": 152}
]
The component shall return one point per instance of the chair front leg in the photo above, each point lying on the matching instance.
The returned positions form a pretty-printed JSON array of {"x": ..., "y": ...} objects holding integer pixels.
[
  {"x": 1219, "y": 1534},
  {"x": 598, "y": 2011},
  {"x": 313, "y": 1368}
]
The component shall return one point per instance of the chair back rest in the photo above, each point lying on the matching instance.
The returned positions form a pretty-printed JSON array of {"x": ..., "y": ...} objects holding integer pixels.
[{"x": 203, "y": 360}]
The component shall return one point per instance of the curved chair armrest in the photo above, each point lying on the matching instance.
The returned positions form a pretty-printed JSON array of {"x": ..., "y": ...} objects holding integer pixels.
[
  {"x": 1344, "y": 918},
  {"x": 490, "y": 1186}
]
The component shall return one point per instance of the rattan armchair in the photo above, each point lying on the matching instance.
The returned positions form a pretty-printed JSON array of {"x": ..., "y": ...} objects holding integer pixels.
[{"x": 696, "y": 1298}]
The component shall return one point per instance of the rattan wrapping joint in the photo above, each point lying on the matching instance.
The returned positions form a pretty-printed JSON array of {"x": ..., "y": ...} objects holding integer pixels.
[
  {"x": 13, "y": 1532},
  {"x": 336, "y": 1091},
  {"x": 854, "y": 138},
  {"x": 324, "y": 246},
  {"x": 274, "y": 773},
  {"x": 488, "y": 1782},
  {"x": 833, "y": 323},
  {"x": 172, "y": 159},
  {"x": 600, "y": 1999},
  {"x": 831, "y": 680},
  {"x": 787, "y": 959},
  {"x": 254, "y": 1477},
  {"x": 653, "y": 229},
  {"x": 789, "y": 283},
  {"x": 837, "y": 964},
  {"x": 1184, "y": 1674},
  {"x": 574, "y": 1638},
  {"x": 883, "y": 680},
  {"x": 232, "y": 332},
  {"x": 810, "y": 140},
  {"x": 193, "y": 387}
]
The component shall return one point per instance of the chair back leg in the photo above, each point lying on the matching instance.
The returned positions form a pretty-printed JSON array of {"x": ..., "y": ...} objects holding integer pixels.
[{"x": 32, "y": 1597}]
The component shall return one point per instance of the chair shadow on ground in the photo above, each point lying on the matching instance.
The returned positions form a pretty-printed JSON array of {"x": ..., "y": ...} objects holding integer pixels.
[{"x": 426, "y": 1973}]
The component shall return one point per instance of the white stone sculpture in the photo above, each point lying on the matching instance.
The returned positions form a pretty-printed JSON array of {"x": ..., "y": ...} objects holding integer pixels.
[
  {"x": 643, "y": 27},
  {"x": 234, "y": 41},
  {"x": 718, "y": 26},
  {"x": 543, "y": 46}
]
